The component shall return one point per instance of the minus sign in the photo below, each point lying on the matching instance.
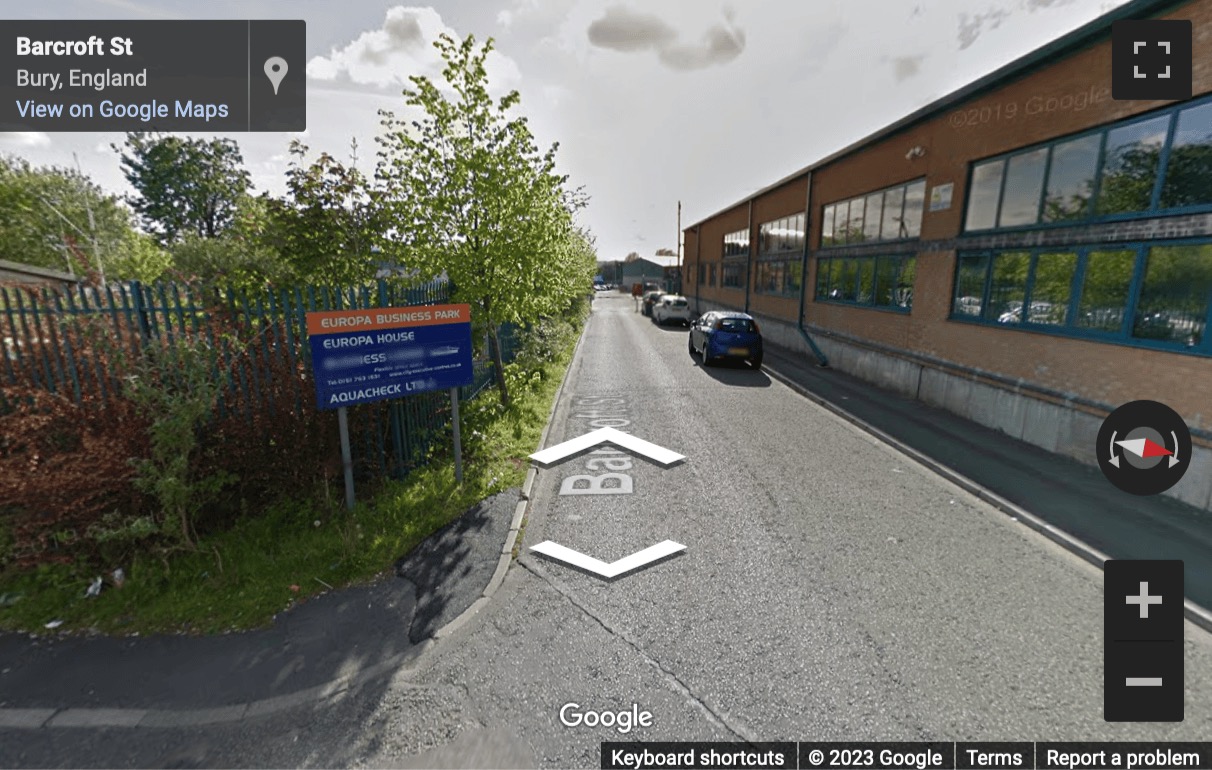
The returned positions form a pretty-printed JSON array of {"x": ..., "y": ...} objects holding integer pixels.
[{"x": 1144, "y": 681}]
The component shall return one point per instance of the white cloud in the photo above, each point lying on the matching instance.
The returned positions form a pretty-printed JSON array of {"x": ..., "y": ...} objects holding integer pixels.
[
  {"x": 401, "y": 48},
  {"x": 623, "y": 29},
  {"x": 25, "y": 138}
]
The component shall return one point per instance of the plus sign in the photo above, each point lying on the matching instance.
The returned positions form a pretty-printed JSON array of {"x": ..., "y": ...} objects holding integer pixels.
[{"x": 1144, "y": 600}]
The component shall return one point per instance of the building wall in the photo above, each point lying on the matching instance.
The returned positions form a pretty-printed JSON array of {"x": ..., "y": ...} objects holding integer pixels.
[{"x": 1081, "y": 378}]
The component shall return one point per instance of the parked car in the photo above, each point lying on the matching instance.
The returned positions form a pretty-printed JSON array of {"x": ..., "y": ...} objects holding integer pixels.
[
  {"x": 721, "y": 334},
  {"x": 650, "y": 299},
  {"x": 672, "y": 309}
]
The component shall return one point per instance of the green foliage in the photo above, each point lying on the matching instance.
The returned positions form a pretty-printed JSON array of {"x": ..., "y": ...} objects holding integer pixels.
[
  {"x": 331, "y": 220},
  {"x": 474, "y": 198},
  {"x": 138, "y": 258},
  {"x": 176, "y": 386},
  {"x": 245, "y": 256},
  {"x": 45, "y": 219},
  {"x": 184, "y": 185},
  {"x": 241, "y": 577}
]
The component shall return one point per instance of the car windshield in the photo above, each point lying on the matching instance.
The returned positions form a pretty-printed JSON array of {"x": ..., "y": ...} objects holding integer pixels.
[{"x": 735, "y": 325}]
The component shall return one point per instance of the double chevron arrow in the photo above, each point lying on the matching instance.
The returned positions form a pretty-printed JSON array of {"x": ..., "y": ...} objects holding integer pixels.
[{"x": 639, "y": 559}]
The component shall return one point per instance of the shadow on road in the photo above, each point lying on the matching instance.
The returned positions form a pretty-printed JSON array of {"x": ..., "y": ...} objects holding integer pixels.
[{"x": 737, "y": 373}]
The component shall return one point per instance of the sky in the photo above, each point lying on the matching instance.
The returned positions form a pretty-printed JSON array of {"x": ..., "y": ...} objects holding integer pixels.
[{"x": 652, "y": 102}]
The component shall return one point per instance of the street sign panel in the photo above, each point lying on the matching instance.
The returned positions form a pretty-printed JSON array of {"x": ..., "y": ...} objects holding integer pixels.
[{"x": 359, "y": 356}]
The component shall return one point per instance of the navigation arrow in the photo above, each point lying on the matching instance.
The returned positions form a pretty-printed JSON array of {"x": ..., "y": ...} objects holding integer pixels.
[
  {"x": 635, "y": 561},
  {"x": 646, "y": 449}
]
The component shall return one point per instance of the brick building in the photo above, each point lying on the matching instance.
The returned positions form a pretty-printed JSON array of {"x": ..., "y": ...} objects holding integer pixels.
[{"x": 1027, "y": 252}]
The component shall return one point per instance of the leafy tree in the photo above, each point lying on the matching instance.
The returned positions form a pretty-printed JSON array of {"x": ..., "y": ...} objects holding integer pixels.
[
  {"x": 632, "y": 257},
  {"x": 138, "y": 257},
  {"x": 45, "y": 219},
  {"x": 246, "y": 255},
  {"x": 184, "y": 185},
  {"x": 331, "y": 221},
  {"x": 471, "y": 196},
  {"x": 666, "y": 253}
]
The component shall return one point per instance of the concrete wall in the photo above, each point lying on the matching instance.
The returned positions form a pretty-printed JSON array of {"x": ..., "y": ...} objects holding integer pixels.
[{"x": 1057, "y": 427}]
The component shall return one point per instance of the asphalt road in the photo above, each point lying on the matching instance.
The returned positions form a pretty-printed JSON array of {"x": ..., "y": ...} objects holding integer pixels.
[{"x": 831, "y": 589}]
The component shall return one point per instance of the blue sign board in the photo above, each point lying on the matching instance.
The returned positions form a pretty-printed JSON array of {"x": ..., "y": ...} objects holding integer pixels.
[{"x": 359, "y": 356}]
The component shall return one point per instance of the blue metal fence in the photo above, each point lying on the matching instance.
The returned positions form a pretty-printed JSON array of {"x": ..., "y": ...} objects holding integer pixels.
[{"x": 54, "y": 339}]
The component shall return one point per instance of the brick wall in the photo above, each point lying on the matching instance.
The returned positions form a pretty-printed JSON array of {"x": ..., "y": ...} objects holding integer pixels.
[{"x": 1065, "y": 96}]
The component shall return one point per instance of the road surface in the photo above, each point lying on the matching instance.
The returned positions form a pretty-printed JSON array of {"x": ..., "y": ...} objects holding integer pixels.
[{"x": 830, "y": 589}]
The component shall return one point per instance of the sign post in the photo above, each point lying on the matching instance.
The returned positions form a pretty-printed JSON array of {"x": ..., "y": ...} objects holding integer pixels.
[
  {"x": 346, "y": 456},
  {"x": 458, "y": 445},
  {"x": 362, "y": 356}
]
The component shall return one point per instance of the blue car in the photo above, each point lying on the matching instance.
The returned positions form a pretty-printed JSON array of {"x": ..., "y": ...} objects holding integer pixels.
[{"x": 721, "y": 334}]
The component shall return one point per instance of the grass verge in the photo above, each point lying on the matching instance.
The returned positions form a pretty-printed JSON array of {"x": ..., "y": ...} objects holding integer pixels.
[{"x": 241, "y": 578}]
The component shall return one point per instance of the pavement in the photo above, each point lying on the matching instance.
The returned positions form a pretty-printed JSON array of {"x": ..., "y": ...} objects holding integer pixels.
[
  {"x": 317, "y": 648},
  {"x": 833, "y": 587},
  {"x": 1072, "y": 497}
]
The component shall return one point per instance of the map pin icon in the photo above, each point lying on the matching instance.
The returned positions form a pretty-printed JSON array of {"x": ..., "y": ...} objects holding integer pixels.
[{"x": 275, "y": 70}]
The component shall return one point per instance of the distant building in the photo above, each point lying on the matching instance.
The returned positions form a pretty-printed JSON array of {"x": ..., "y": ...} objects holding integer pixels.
[{"x": 641, "y": 271}]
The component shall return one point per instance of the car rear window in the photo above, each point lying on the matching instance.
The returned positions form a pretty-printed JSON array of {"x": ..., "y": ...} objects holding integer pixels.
[
  {"x": 736, "y": 325},
  {"x": 679, "y": 303}
]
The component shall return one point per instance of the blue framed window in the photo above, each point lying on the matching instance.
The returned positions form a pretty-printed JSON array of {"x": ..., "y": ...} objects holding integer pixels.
[
  {"x": 884, "y": 281},
  {"x": 733, "y": 275},
  {"x": 781, "y": 235},
  {"x": 782, "y": 277},
  {"x": 1156, "y": 294},
  {"x": 1159, "y": 162},
  {"x": 736, "y": 244},
  {"x": 891, "y": 214}
]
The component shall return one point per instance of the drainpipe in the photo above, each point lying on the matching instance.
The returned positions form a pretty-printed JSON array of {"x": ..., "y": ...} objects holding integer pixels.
[
  {"x": 749, "y": 256},
  {"x": 698, "y": 265},
  {"x": 822, "y": 361}
]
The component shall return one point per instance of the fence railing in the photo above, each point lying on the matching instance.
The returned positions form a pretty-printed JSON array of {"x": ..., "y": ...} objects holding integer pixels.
[{"x": 49, "y": 338}]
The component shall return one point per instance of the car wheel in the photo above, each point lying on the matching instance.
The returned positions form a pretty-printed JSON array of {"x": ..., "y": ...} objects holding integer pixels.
[
  {"x": 690, "y": 346},
  {"x": 706, "y": 358},
  {"x": 757, "y": 362}
]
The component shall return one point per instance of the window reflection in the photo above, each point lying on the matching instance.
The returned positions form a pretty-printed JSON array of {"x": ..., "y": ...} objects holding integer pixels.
[
  {"x": 871, "y": 222},
  {"x": 1024, "y": 184},
  {"x": 1104, "y": 293},
  {"x": 841, "y": 222},
  {"x": 879, "y": 281},
  {"x": 1189, "y": 168},
  {"x": 854, "y": 226},
  {"x": 1008, "y": 287},
  {"x": 1050, "y": 287},
  {"x": 915, "y": 200},
  {"x": 891, "y": 214},
  {"x": 983, "y": 195},
  {"x": 1130, "y": 161},
  {"x": 847, "y": 287},
  {"x": 893, "y": 225},
  {"x": 970, "y": 276},
  {"x": 1071, "y": 179},
  {"x": 1173, "y": 304}
]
